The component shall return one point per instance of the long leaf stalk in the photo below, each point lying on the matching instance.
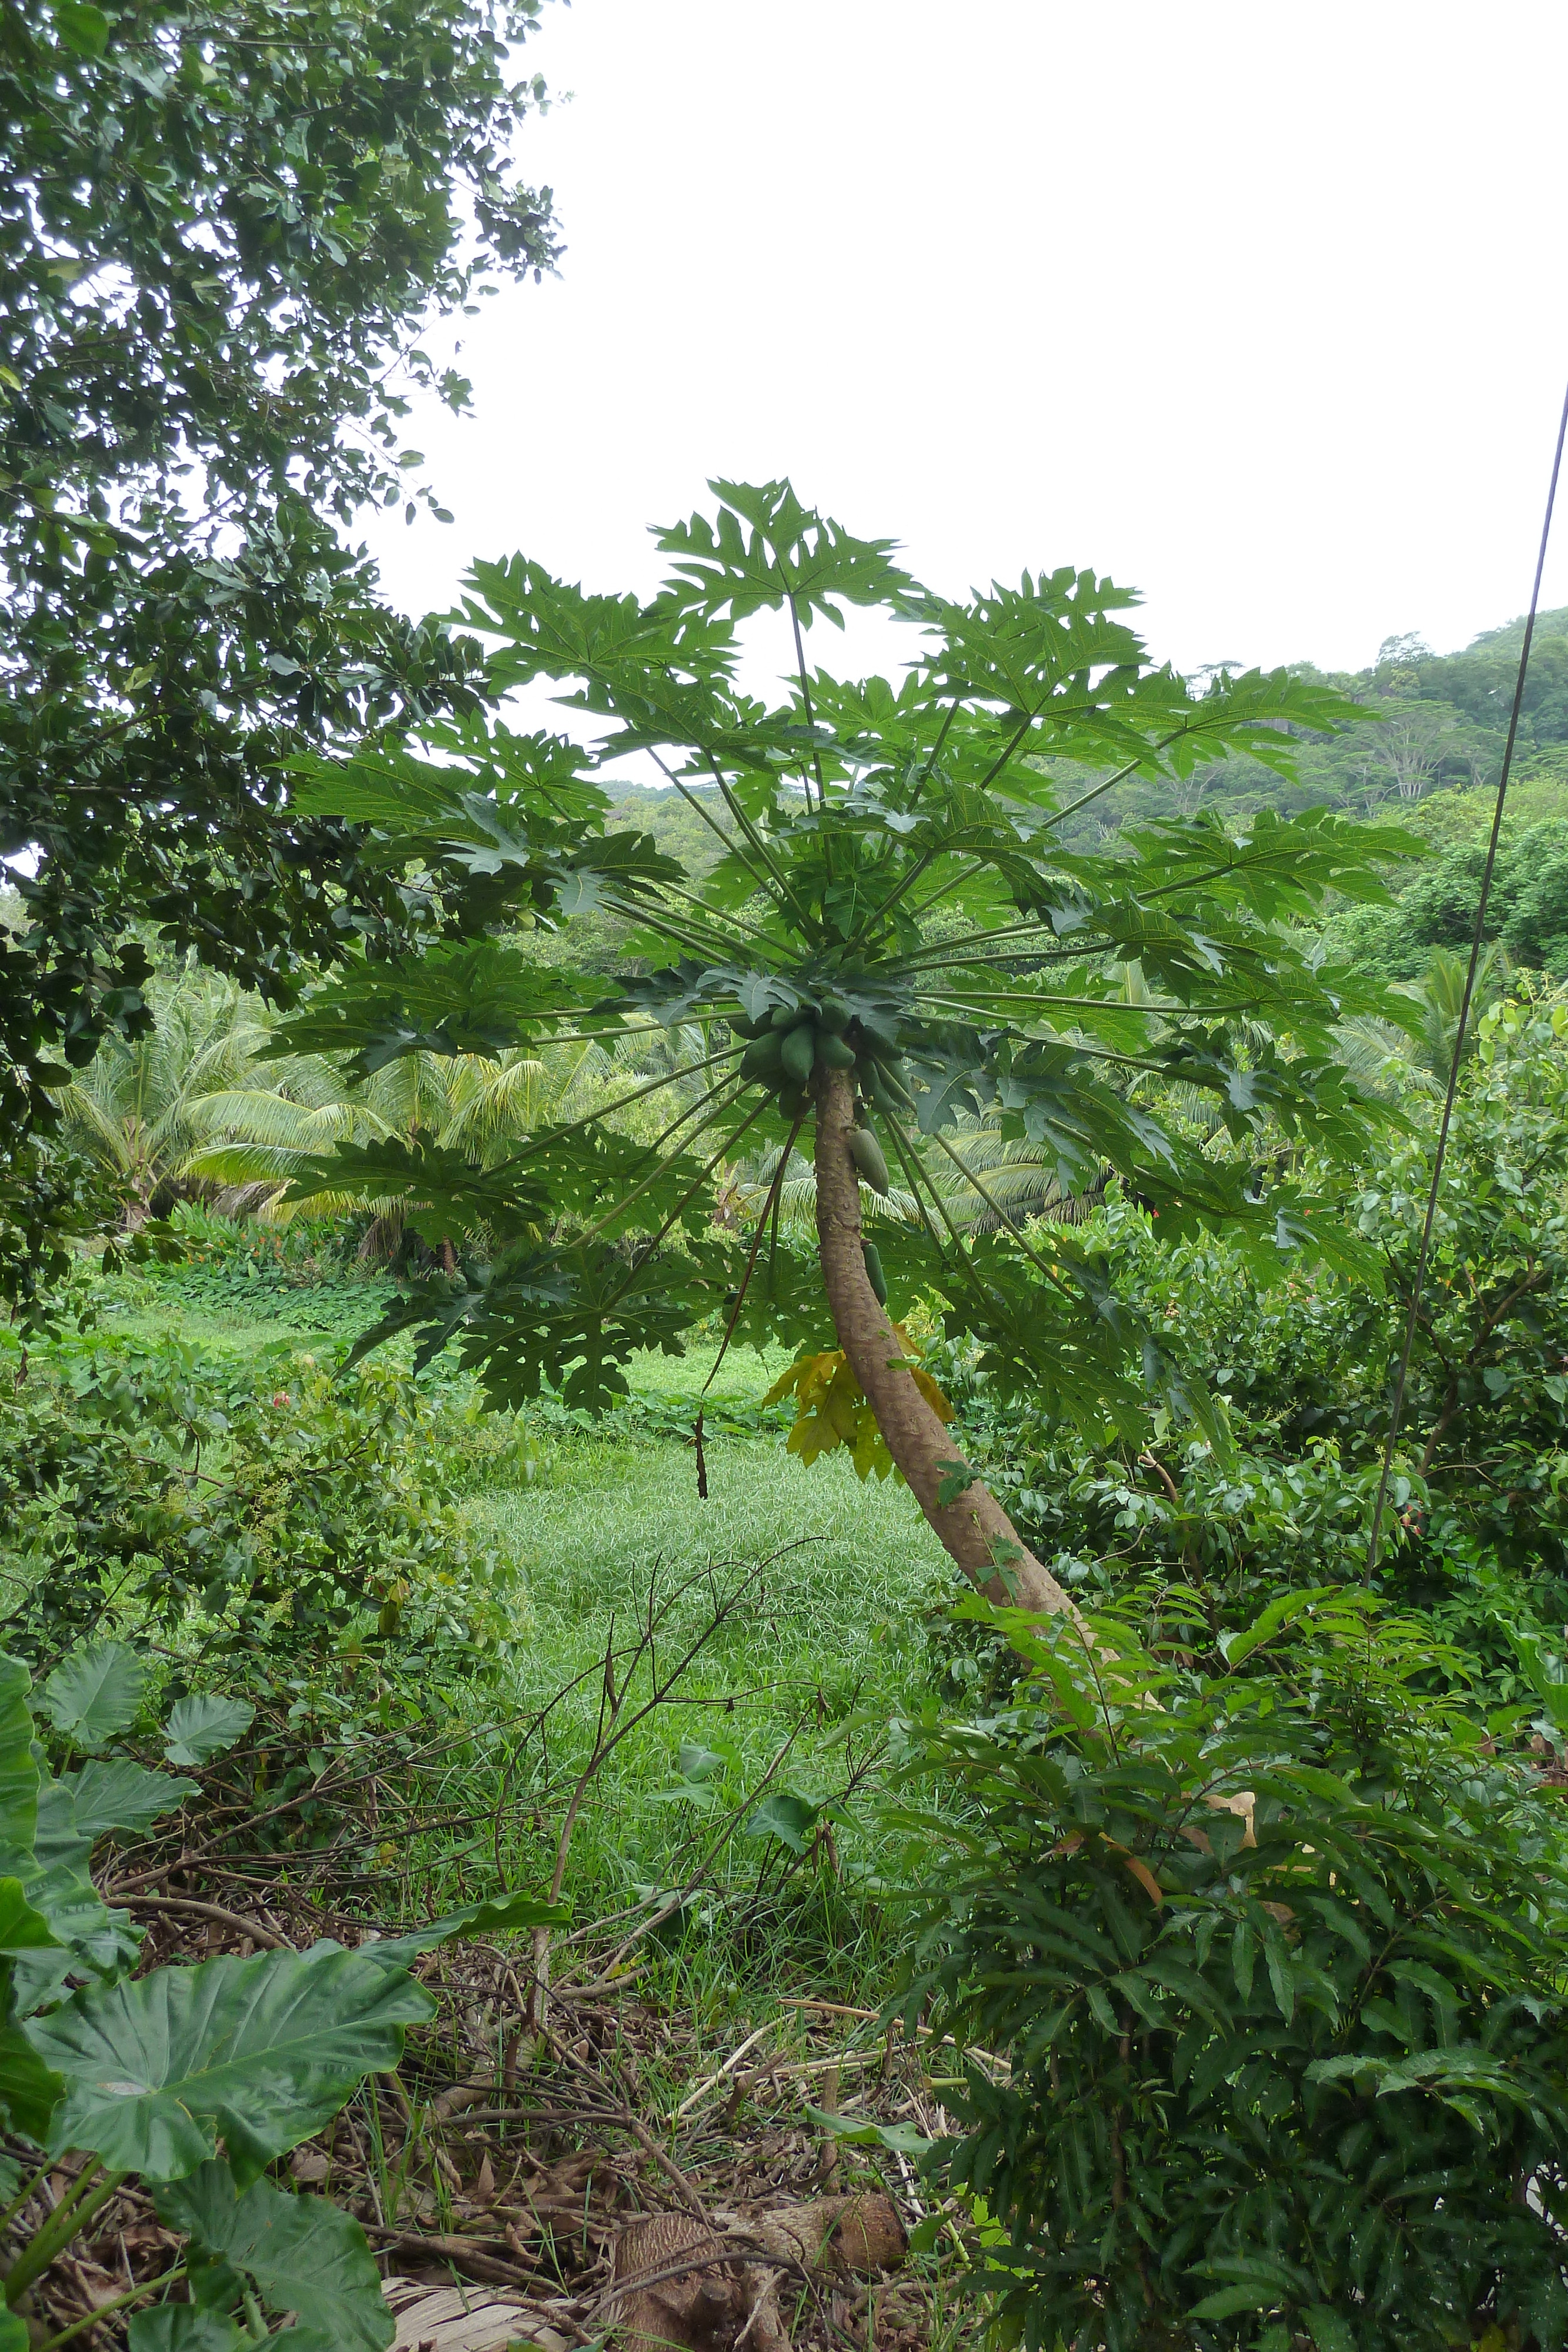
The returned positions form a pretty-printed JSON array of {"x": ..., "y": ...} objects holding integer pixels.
[
  {"x": 807, "y": 921},
  {"x": 120, "y": 2303},
  {"x": 655, "y": 1173},
  {"x": 997, "y": 1211},
  {"x": 69, "y": 2218},
  {"x": 771, "y": 1204},
  {"x": 709, "y": 819},
  {"x": 650, "y": 1087},
  {"x": 688, "y": 1196}
]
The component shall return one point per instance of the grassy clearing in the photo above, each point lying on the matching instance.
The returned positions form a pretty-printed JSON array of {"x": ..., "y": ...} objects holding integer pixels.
[{"x": 803, "y": 1595}]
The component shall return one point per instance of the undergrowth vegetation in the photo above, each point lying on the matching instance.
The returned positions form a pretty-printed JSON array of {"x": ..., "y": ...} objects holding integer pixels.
[{"x": 1250, "y": 1918}]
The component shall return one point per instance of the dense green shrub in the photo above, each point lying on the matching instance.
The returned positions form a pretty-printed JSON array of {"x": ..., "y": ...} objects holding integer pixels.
[
  {"x": 1477, "y": 1532},
  {"x": 275, "y": 1507},
  {"x": 1274, "y": 1947}
]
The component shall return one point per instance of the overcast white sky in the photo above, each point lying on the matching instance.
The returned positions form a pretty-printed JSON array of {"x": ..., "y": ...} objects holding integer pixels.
[{"x": 1256, "y": 306}]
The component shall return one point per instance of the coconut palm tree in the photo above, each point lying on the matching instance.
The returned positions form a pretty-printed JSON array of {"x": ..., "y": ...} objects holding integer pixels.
[
  {"x": 1380, "y": 1056},
  {"x": 137, "y": 1110},
  {"x": 257, "y": 1136}
]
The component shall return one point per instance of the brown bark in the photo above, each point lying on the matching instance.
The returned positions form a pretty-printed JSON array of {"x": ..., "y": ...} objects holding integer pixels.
[{"x": 975, "y": 1529}]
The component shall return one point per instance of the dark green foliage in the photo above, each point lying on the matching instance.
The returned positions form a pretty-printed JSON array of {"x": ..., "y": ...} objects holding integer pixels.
[
  {"x": 300, "y": 1274},
  {"x": 1527, "y": 912},
  {"x": 1274, "y": 1947},
  {"x": 148, "y": 2073},
  {"x": 218, "y": 232},
  {"x": 1476, "y": 1531},
  {"x": 285, "y": 1506}
]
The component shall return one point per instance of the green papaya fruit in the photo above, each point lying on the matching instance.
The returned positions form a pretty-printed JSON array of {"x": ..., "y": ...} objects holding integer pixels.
[
  {"x": 885, "y": 1086},
  {"x": 866, "y": 1153},
  {"x": 799, "y": 1051},
  {"x": 741, "y": 1027},
  {"x": 834, "y": 1016},
  {"x": 763, "y": 1058},
  {"x": 874, "y": 1273},
  {"x": 834, "y": 1053},
  {"x": 793, "y": 1102}
]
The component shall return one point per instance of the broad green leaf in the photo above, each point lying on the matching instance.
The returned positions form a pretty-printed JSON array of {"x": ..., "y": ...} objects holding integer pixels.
[
  {"x": 29, "y": 2090},
  {"x": 785, "y": 1816},
  {"x": 19, "y": 1764},
  {"x": 58, "y": 1884},
  {"x": 14, "y": 2336},
  {"x": 200, "y": 1729},
  {"x": 501, "y": 1915},
  {"x": 94, "y": 1695},
  {"x": 82, "y": 27},
  {"x": 472, "y": 999},
  {"x": 861, "y": 2131},
  {"x": 22, "y": 1929},
  {"x": 114, "y": 1793},
  {"x": 1331, "y": 2332},
  {"x": 261, "y": 2052},
  {"x": 301, "y": 2255},
  {"x": 1233, "y": 2299},
  {"x": 182, "y": 2328}
]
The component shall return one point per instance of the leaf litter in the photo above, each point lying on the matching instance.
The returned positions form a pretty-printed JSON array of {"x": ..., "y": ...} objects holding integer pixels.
[{"x": 602, "y": 2172}]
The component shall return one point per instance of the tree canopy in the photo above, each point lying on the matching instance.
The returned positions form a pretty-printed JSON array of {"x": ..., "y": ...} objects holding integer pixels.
[{"x": 219, "y": 232}]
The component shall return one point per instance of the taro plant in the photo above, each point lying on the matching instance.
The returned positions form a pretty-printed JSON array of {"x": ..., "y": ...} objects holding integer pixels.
[
  {"x": 893, "y": 945},
  {"x": 191, "y": 2081},
  {"x": 1274, "y": 1947}
]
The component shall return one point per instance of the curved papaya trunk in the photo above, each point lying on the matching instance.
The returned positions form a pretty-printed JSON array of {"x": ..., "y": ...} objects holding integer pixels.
[{"x": 975, "y": 1529}]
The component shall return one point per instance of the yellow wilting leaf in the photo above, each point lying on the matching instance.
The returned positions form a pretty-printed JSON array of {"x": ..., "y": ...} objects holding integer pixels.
[{"x": 831, "y": 1408}]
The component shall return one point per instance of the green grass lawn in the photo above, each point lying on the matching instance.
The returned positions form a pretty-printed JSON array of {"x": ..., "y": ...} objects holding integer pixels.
[{"x": 820, "y": 1586}]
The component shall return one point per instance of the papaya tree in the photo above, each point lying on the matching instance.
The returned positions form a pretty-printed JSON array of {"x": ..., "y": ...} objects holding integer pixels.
[{"x": 910, "y": 926}]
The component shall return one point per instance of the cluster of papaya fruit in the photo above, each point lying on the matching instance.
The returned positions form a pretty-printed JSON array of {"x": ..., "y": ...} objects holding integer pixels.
[{"x": 788, "y": 1044}]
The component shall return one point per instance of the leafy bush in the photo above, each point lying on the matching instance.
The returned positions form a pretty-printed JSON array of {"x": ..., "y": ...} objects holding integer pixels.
[
  {"x": 1275, "y": 1952},
  {"x": 1479, "y": 1529},
  {"x": 299, "y": 1274},
  {"x": 281, "y": 1506}
]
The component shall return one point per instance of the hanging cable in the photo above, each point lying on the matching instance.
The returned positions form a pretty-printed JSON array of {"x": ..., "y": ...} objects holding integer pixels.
[{"x": 1396, "y": 1414}]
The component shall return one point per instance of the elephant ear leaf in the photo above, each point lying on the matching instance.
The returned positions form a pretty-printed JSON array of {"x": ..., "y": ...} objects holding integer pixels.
[
  {"x": 94, "y": 1695},
  {"x": 113, "y": 1793},
  {"x": 19, "y": 1764},
  {"x": 29, "y": 2091},
  {"x": 22, "y": 1929},
  {"x": 180, "y": 2327},
  {"x": 261, "y": 2050},
  {"x": 200, "y": 1729},
  {"x": 301, "y": 2255},
  {"x": 501, "y": 1915}
]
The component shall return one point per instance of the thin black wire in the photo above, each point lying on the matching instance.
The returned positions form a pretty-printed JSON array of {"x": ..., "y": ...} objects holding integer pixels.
[{"x": 1414, "y": 1317}]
